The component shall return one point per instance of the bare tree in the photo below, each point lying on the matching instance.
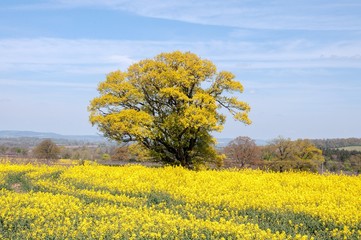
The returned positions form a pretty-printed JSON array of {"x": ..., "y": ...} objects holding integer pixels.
[
  {"x": 242, "y": 151},
  {"x": 121, "y": 153}
]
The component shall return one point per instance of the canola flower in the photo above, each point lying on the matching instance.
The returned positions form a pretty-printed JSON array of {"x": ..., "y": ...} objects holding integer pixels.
[{"x": 136, "y": 202}]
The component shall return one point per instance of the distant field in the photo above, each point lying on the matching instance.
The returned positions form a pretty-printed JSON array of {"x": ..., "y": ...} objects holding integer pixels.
[{"x": 352, "y": 148}]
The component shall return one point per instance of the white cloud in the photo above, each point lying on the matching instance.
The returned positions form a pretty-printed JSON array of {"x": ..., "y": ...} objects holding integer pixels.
[
  {"x": 62, "y": 55},
  {"x": 102, "y": 56},
  {"x": 306, "y": 85},
  {"x": 276, "y": 14},
  {"x": 48, "y": 83}
]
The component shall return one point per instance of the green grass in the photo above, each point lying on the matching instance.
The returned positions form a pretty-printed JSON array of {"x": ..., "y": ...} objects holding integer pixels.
[{"x": 17, "y": 182}]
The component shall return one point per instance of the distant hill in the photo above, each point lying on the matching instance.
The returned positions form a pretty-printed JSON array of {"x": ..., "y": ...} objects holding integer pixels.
[
  {"x": 31, "y": 134},
  {"x": 12, "y": 135},
  {"x": 16, "y": 134}
]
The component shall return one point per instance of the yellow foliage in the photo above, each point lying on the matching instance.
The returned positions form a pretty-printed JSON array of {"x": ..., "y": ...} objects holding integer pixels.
[{"x": 162, "y": 104}]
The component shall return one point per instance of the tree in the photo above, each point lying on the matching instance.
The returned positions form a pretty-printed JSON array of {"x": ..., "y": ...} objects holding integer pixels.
[
  {"x": 106, "y": 157},
  {"x": 306, "y": 150},
  {"x": 283, "y": 154},
  {"x": 355, "y": 163},
  {"x": 46, "y": 149},
  {"x": 169, "y": 105},
  {"x": 242, "y": 150},
  {"x": 121, "y": 154},
  {"x": 283, "y": 148}
]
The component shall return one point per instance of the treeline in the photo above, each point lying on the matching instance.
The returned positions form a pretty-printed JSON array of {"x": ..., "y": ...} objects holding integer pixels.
[
  {"x": 336, "y": 142},
  {"x": 337, "y": 160},
  {"x": 67, "y": 149},
  {"x": 30, "y": 142},
  {"x": 280, "y": 154},
  {"x": 283, "y": 154}
]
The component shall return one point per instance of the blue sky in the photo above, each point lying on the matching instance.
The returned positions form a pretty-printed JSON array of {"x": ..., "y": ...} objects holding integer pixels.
[{"x": 299, "y": 61}]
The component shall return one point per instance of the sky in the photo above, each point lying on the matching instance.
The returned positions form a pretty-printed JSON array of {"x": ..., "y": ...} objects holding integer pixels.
[{"x": 299, "y": 61}]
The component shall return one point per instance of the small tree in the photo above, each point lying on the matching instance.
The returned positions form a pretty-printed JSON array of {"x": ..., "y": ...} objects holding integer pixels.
[
  {"x": 121, "y": 153},
  {"x": 168, "y": 105},
  {"x": 242, "y": 151},
  {"x": 355, "y": 163},
  {"x": 306, "y": 150},
  {"x": 46, "y": 149},
  {"x": 283, "y": 149}
]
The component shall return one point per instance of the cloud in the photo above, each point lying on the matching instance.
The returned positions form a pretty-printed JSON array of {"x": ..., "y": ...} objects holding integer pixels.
[
  {"x": 62, "y": 55},
  {"x": 276, "y": 14},
  {"x": 89, "y": 57},
  {"x": 346, "y": 86},
  {"x": 48, "y": 83}
]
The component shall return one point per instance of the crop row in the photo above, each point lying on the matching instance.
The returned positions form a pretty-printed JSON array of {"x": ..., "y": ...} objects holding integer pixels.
[{"x": 136, "y": 202}]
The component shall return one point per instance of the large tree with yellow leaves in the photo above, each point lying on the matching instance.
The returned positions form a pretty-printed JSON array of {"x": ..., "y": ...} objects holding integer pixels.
[{"x": 168, "y": 105}]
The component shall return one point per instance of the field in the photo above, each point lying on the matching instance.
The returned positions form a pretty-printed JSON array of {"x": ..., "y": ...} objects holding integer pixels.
[
  {"x": 137, "y": 202},
  {"x": 352, "y": 148}
]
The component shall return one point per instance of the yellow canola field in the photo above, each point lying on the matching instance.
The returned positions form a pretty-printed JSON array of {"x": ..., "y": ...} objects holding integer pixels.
[{"x": 136, "y": 202}]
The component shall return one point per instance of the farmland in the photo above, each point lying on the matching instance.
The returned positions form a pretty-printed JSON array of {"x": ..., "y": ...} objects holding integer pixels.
[
  {"x": 137, "y": 202},
  {"x": 351, "y": 148}
]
